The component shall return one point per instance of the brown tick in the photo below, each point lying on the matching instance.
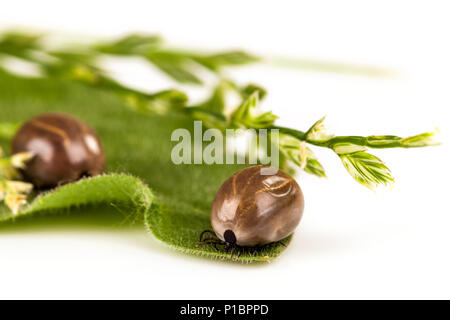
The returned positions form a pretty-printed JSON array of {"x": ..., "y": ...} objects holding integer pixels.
[
  {"x": 254, "y": 210},
  {"x": 65, "y": 149}
]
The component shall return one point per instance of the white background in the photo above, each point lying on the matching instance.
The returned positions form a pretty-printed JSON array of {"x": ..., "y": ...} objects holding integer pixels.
[{"x": 352, "y": 243}]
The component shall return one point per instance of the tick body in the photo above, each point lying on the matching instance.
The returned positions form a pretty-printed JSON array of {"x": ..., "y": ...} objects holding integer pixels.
[
  {"x": 65, "y": 148},
  {"x": 251, "y": 209}
]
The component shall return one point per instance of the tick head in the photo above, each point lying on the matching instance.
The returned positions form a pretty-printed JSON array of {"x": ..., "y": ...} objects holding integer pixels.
[{"x": 229, "y": 237}]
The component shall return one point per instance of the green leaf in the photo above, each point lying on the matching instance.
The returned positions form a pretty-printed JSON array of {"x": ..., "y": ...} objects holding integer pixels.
[
  {"x": 318, "y": 131},
  {"x": 167, "y": 100},
  {"x": 81, "y": 68},
  {"x": 133, "y": 44},
  {"x": 116, "y": 191},
  {"x": 296, "y": 151},
  {"x": 161, "y": 102},
  {"x": 7, "y": 129},
  {"x": 177, "y": 66},
  {"x": 313, "y": 166},
  {"x": 217, "y": 101},
  {"x": 420, "y": 140},
  {"x": 248, "y": 116},
  {"x": 242, "y": 113},
  {"x": 375, "y": 141},
  {"x": 136, "y": 144},
  {"x": 18, "y": 43},
  {"x": 346, "y": 147},
  {"x": 367, "y": 169},
  {"x": 183, "y": 66},
  {"x": 217, "y": 61},
  {"x": 249, "y": 89}
]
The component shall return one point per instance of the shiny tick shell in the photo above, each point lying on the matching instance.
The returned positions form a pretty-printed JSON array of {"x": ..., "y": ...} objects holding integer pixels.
[
  {"x": 65, "y": 149},
  {"x": 251, "y": 209}
]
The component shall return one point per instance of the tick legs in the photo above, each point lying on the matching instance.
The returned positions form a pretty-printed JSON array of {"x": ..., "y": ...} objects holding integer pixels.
[
  {"x": 208, "y": 237},
  {"x": 209, "y": 232}
]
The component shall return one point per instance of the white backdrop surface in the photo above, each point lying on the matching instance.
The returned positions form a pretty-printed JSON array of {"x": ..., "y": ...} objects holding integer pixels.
[{"x": 352, "y": 243}]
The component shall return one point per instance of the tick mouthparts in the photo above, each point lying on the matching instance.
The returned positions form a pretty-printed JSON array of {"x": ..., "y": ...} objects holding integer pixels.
[{"x": 229, "y": 237}]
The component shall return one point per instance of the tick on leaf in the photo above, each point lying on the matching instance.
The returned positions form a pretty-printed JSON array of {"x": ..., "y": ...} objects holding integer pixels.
[
  {"x": 65, "y": 149},
  {"x": 254, "y": 210}
]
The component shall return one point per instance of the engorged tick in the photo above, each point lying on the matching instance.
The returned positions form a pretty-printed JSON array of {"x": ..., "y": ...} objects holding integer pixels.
[
  {"x": 65, "y": 148},
  {"x": 253, "y": 210}
]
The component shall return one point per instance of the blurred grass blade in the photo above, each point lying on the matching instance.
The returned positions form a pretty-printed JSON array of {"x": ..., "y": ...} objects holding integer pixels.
[
  {"x": 133, "y": 44},
  {"x": 215, "y": 62},
  {"x": 176, "y": 66},
  {"x": 331, "y": 67}
]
